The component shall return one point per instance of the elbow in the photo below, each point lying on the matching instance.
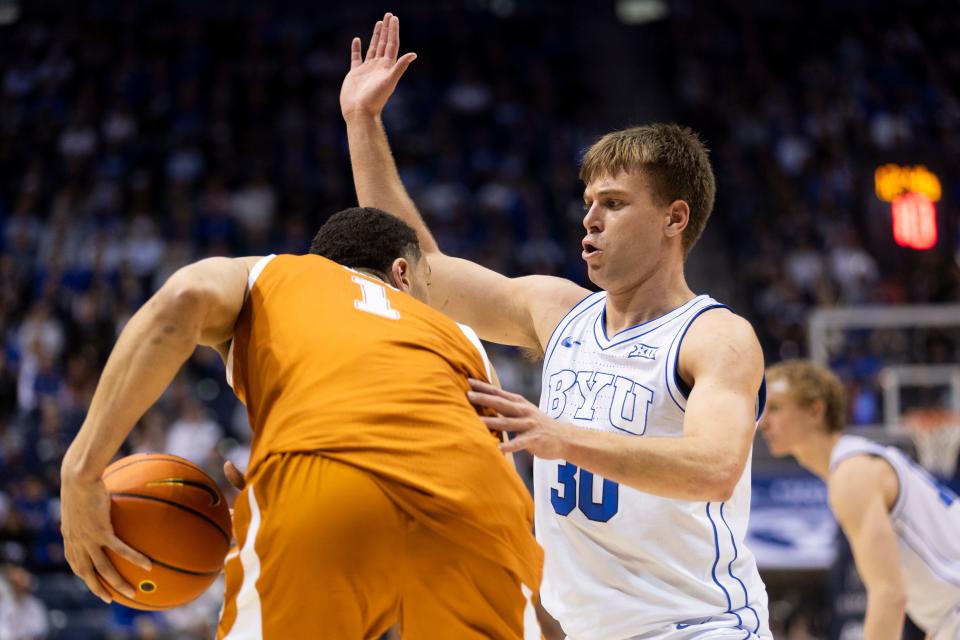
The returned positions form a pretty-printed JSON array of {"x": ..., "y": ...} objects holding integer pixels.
[
  {"x": 888, "y": 598},
  {"x": 723, "y": 482}
]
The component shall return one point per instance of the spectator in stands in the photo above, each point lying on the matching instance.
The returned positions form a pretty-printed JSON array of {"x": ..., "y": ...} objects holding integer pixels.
[{"x": 22, "y": 615}]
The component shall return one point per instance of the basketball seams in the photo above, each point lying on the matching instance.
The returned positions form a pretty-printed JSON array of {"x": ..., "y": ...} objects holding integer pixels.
[
  {"x": 203, "y": 574},
  {"x": 126, "y": 494},
  {"x": 154, "y": 457}
]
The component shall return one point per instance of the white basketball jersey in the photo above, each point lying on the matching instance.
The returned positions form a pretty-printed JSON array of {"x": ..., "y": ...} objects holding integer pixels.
[
  {"x": 926, "y": 518},
  {"x": 621, "y": 563}
]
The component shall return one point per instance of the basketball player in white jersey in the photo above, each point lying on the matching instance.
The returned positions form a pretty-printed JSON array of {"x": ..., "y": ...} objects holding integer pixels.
[
  {"x": 650, "y": 392},
  {"x": 903, "y": 527}
]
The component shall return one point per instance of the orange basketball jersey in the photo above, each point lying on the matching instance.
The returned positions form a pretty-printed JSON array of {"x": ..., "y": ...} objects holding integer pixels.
[{"x": 333, "y": 362}]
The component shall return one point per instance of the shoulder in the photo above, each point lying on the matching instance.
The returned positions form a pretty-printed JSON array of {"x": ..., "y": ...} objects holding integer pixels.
[
  {"x": 549, "y": 299},
  {"x": 856, "y": 479},
  {"x": 721, "y": 341}
]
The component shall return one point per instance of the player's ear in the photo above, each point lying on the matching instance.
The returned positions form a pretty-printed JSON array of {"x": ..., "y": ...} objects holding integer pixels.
[
  {"x": 677, "y": 219},
  {"x": 818, "y": 410},
  {"x": 400, "y": 274}
]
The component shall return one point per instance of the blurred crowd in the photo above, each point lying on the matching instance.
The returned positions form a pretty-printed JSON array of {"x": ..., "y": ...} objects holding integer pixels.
[
  {"x": 799, "y": 119},
  {"x": 137, "y": 137}
]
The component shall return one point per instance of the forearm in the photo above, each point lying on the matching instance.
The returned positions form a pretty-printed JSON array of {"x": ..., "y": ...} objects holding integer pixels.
[
  {"x": 153, "y": 346},
  {"x": 375, "y": 175},
  {"x": 684, "y": 468},
  {"x": 885, "y": 615}
]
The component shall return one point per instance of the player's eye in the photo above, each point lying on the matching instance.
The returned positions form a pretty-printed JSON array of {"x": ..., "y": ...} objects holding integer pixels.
[{"x": 614, "y": 204}]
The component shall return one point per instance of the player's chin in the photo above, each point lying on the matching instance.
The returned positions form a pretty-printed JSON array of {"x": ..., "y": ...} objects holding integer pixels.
[
  {"x": 597, "y": 275},
  {"x": 776, "y": 449}
]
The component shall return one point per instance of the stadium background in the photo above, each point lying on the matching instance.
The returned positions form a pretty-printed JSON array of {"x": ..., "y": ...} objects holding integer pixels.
[{"x": 137, "y": 137}]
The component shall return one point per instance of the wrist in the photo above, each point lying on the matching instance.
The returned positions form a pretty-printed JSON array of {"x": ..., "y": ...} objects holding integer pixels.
[
  {"x": 566, "y": 439},
  {"x": 361, "y": 116},
  {"x": 78, "y": 468}
]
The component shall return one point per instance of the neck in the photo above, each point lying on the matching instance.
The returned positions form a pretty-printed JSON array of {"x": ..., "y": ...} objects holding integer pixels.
[
  {"x": 656, "y": 293},
  {"x": 373, "y": 274},
  {"x": 814, "y": 455}
]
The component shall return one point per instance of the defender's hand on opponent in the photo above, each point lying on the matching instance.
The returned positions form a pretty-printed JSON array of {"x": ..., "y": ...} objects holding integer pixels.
[
  {"x": 535, "y": 432},
  {"x": 371, "y": 80},
  {"x": 87, "y": 530}
]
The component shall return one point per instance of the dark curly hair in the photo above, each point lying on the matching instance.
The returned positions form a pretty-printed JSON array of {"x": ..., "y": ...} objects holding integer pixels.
[{"x": 366, "y": 238}]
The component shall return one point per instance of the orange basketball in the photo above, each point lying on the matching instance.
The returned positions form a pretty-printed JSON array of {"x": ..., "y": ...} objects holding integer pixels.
[{"x": 169, "y": 510}]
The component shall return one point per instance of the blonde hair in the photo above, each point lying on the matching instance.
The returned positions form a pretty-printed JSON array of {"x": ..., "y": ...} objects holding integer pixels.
[
  {"x": 673, "y": 160},
  {"x": 807, "y": 383}
]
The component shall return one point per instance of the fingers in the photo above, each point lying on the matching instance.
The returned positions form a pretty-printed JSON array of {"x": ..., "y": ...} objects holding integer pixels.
[
  {"x": 514, "y": 425},
  {"x": 374, "y": 40},
  {"x": 486, "y": 387},
  {"x": 382, "y": 44},
  {"x": 355, "y": 57},
  {"x": 403, "y": 63},
  {"x": 129, "y": 553},
  {"x": 514, "y": 445},
  {"x": 233, "y": 475},
  {"x": 503, "y": 406},
  {"x": 84, "y": 569},
  {"x": 109, "y": 573},
  {"x": 497, "y": 423},
  {"x": 393, "y": 38}
]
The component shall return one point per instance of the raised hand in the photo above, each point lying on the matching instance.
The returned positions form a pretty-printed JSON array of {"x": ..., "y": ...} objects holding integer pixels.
[{"x": 371, "y": 80}]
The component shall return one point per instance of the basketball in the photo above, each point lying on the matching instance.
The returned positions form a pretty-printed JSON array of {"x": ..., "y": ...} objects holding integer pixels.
[{"x": 168, "y": 509}]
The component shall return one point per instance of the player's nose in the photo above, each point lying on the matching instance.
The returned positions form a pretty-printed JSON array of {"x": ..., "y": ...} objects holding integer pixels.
[{"x": 593, "y": 220}]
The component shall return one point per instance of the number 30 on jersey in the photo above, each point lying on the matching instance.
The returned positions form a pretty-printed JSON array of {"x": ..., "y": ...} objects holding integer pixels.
[{"x": 572, "y": 494}]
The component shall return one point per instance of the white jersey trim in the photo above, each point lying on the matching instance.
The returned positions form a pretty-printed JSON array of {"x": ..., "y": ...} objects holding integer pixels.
[
  {"x": 248, "y": 625},
  {"x": 873, "y": 450},
  {"x": 254, "y": 274},
  {"x": 258, "y": 268},
  {"x": 475, "y": 341}
]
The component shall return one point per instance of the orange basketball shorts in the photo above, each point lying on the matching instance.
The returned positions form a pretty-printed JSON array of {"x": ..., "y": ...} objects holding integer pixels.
[{"x": 324, "y": 553}]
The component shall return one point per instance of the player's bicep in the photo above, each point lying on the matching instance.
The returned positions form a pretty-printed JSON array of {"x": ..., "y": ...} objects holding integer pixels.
[
  {"x": 215, "y": 288},
  {"x": 856, "y": 498},
  {"x": 724, "y": 362},
  {"x": 514, "y": 311}
]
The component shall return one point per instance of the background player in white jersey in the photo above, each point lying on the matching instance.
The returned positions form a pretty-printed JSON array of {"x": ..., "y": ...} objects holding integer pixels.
[
  {"x": 650, "y": 546},
  {"x": 903, "y": 527}
]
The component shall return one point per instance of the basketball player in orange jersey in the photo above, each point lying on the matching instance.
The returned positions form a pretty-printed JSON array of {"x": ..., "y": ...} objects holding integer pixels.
[{"x": 374, "y": 494}]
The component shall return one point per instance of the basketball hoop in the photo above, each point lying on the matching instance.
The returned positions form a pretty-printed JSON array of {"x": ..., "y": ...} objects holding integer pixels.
[{"x": 936, "y": 433}]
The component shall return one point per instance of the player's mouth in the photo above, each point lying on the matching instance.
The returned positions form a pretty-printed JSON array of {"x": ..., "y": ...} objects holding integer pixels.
[{"x": 590, "y": 249}]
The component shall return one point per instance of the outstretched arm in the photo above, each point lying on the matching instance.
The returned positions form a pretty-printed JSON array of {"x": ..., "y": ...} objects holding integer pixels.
[
  {"x": 199, "y": 304},
  {"x": 724, "y": 361},
  {"x": 856, "y": 491},
  {"x": 518, "y": 311}
]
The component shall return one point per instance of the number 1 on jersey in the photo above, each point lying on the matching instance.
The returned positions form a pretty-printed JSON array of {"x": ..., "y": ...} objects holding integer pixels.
[{"x": 375, "y": 299}]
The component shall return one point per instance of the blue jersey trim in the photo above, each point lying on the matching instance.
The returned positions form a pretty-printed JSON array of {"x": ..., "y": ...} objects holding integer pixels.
[
  {"x": 666, "y": 374},
  {"x": 736, "y": 554},
  {"x": 713, "y": 572},
  {"x": 675, "y": 354},
  {"x": 666, "y": 318},
  {"x": 916, "y": 542},
  {"x": 565, "y": 322},
  {"x": 682, "y": 386},
  {"x": 762, "y": 397}
]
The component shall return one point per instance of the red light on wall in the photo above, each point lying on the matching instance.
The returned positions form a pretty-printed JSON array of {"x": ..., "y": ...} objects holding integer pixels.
[{"x": 914, "y": 221}]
